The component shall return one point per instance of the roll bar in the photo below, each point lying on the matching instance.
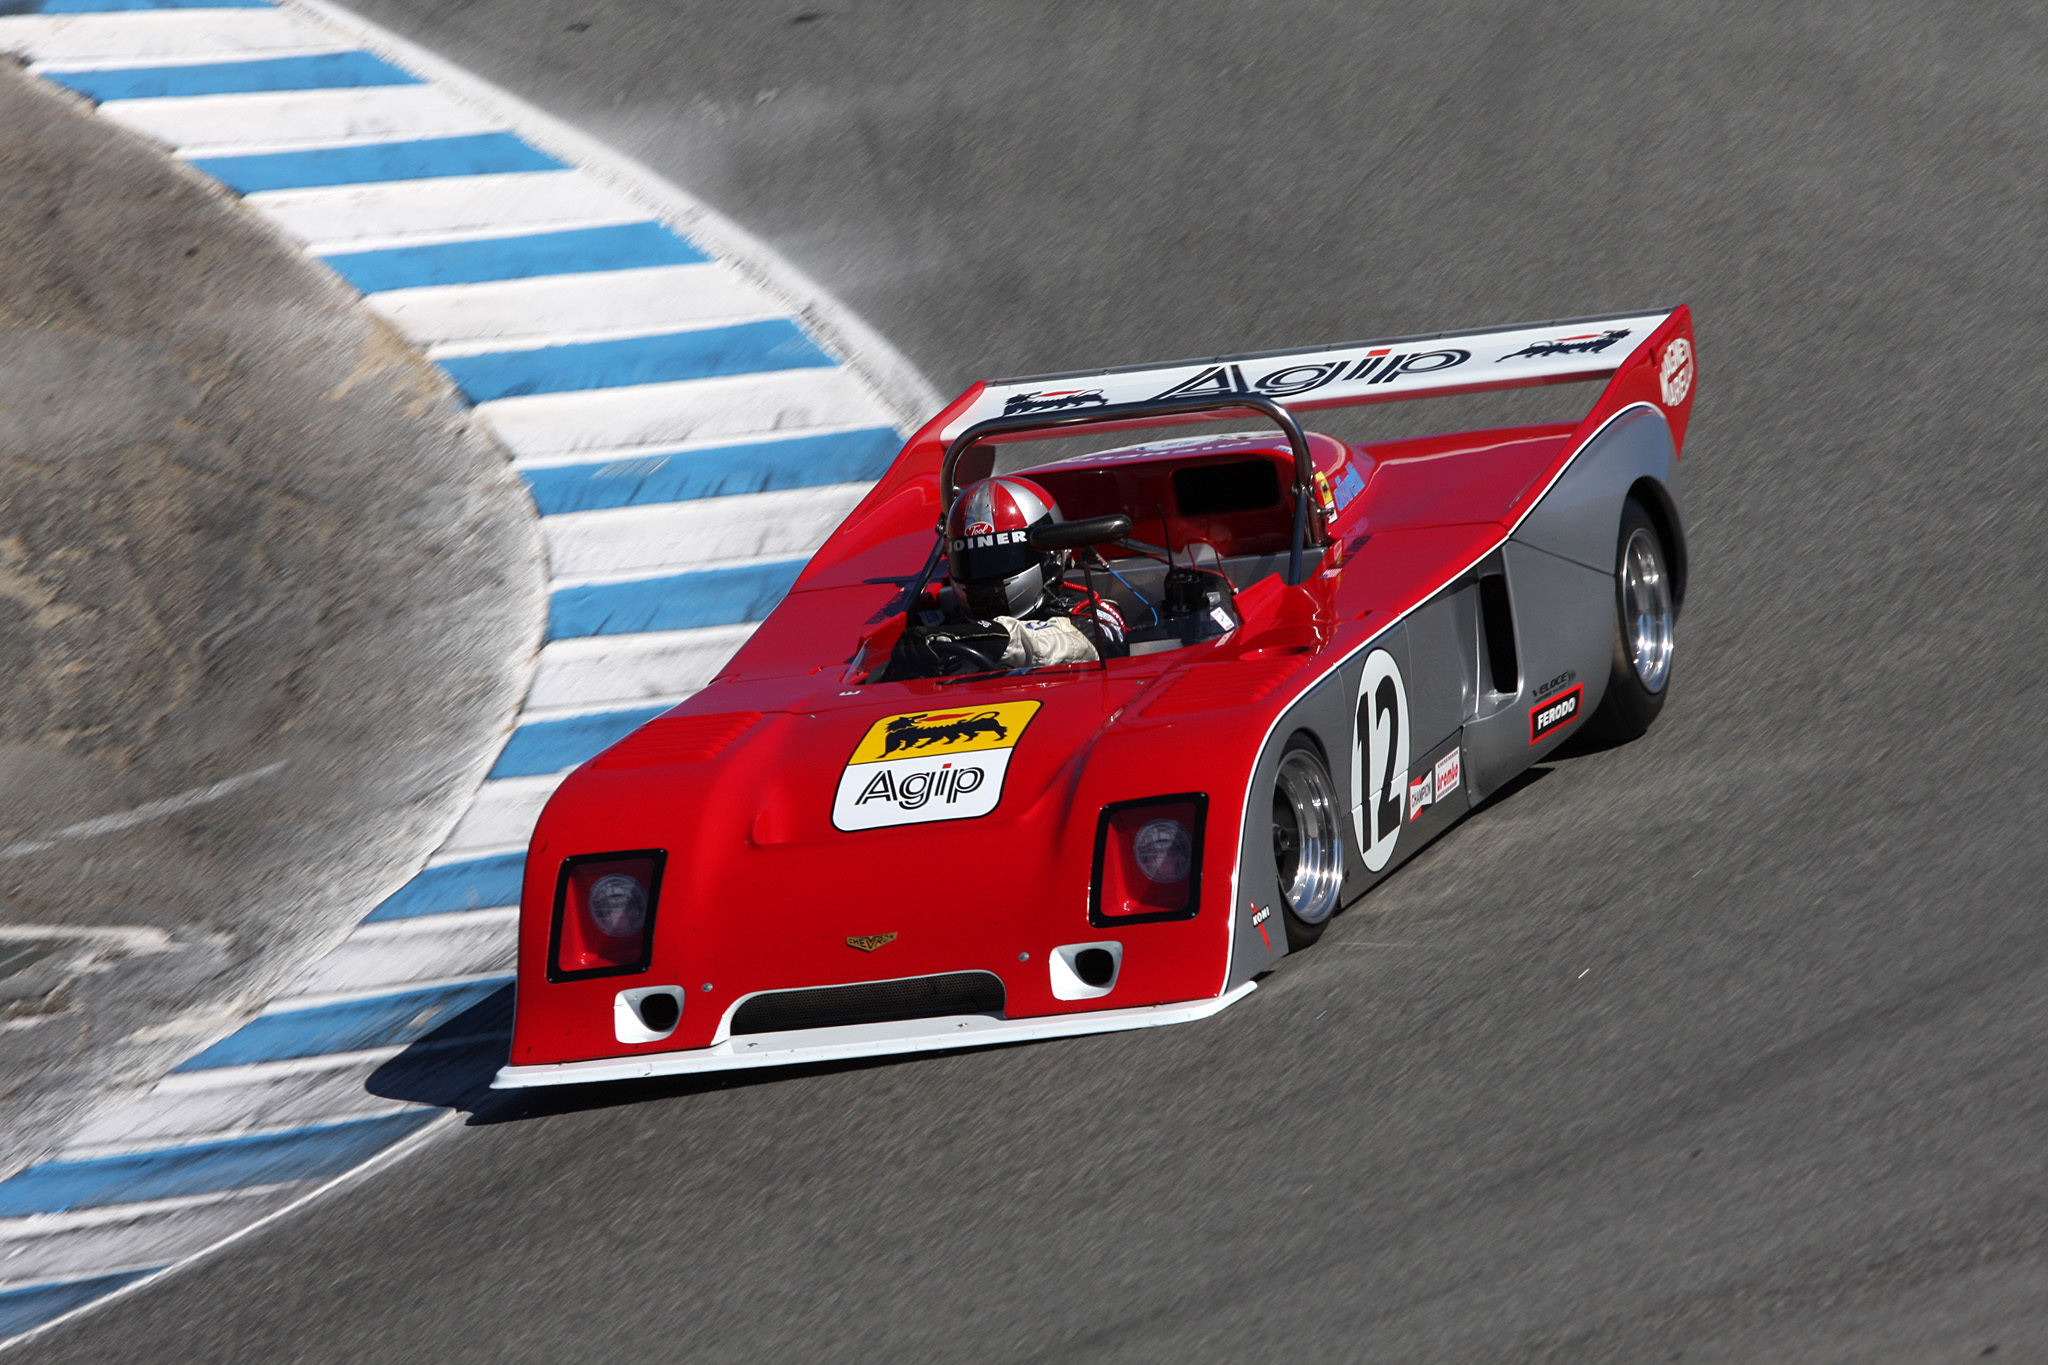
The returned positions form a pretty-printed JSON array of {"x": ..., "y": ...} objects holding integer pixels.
[{"x": 1133, "y": 414}]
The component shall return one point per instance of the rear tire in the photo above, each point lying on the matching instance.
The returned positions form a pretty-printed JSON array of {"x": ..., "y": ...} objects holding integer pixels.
[
  {"x": 1308, "y": 842},
  {"x": 1645, "y": 616}
]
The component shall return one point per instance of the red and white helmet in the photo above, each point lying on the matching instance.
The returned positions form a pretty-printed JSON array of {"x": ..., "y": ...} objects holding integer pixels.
[{"x": 996, "y": 572}]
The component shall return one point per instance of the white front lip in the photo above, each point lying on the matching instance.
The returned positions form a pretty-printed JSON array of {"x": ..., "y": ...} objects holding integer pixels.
[{"x": 800, "y": 1046}]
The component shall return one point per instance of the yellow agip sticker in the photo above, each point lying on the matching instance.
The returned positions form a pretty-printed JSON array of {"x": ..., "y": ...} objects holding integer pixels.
[{"x": 930, "y": 765}]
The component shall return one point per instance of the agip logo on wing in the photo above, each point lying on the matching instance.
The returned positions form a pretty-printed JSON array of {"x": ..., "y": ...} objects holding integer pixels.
[{"x": 930, "y": 765}]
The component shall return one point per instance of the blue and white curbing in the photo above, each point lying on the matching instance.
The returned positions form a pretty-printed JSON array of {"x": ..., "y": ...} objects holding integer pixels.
[{"x": 692, "y": 418}]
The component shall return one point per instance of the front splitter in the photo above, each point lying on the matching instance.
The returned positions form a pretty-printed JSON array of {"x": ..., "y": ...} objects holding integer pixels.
[{"x": 801, "y": 1046}]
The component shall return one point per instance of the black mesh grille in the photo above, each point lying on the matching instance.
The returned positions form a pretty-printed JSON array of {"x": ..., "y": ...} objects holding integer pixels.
[{"x": 874, "y": 1002}]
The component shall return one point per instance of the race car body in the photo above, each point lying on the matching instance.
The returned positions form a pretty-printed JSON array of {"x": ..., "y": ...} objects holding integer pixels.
[{"x": 1336, "y": 651}]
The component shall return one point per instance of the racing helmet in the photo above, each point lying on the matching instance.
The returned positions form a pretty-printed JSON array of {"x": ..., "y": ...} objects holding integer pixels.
[{"x": 996, "y": 571}]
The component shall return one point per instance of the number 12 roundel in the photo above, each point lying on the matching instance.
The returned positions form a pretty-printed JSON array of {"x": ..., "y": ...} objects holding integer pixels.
[{"x": 1379, "y": 769}]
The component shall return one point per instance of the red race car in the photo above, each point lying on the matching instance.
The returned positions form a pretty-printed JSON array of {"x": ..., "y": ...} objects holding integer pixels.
[{"x": 1055, "y": 743}]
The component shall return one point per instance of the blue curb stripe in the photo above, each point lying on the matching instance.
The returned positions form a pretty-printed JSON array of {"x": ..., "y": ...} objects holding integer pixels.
[
  {"x": 761, "y": 467},
  {"x": 313, "y": 1153},
  {"x": 422, "y": 159},
  {"x": 33, "y": 1305},
  {"x": 549, "y": 746},
  {"x": 349, "y": 1026},
  {"x": 706, "y": 353},
  {"x": 327, "y": 71},
  {"x": 707, "y": 597},
  {"x": 474, "y": 884},
  {"x": 120, "y": 6},
  {"x": 578, "y": 251}
]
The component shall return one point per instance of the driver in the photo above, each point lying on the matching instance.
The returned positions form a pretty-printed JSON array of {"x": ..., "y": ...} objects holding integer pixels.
[{"x": 1010, "y": 603}]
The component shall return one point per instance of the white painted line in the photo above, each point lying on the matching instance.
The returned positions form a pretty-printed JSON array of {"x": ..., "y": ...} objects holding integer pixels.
[
  {"x": 437, "y": 946},
  {"x": 236, "y": 1101},
  {"x": 606, "y": 302},
  {"x": 294, "y": 1004},
  {"x": 612, "y": 672},
  {"x": 655, "y": 416},
  {"x": 423, "y": 926},
  {"x": 502, "y": 816},
  {"x": 149, "y": 37},
  {"x": 649, "y": 458},
  {"x": 147, "y": 811},
  {"x": 129, "y": 1235},
  {"x": 414, "y": 212},
  {"x": 289, "y": 1108},
  {"x": 292, "y": 120},
  {"x": 675, "y": 536},
  {"x": 594, "y": 580}
]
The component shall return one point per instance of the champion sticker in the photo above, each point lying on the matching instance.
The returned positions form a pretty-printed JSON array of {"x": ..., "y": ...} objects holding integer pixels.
[
  {"x": 1421, "y": 794},
  {"x": 930, "y": 765},
  {"x": 1546, "y": 718},
  {"x": 1448, "y": 772}
]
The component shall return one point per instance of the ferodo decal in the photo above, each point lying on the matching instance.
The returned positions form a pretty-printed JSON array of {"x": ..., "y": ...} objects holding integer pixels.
[
  {"x": 1548, "y": 717},
  {"x": 1675, "y": 373},
  {"x": 930, "y": 765},
  {"x": 1379, "y": 770}
]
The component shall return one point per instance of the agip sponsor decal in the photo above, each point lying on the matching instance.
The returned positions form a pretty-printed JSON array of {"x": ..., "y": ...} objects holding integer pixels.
[
  {"x": 930, "y": 765},
  {"x": 1548, "y": 717}
]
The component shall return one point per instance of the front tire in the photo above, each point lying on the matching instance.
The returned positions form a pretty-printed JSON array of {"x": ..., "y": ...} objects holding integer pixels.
[
  {"x": 1308, "y": 842},
  {"x": 1646, "y": 615}
]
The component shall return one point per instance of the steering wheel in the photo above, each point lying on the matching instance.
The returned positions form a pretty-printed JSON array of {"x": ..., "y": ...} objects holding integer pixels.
[{"x": 958, "y": 656}]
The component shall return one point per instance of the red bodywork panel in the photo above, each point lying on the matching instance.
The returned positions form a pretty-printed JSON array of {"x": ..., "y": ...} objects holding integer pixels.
[{"x": 762, "y": 892}]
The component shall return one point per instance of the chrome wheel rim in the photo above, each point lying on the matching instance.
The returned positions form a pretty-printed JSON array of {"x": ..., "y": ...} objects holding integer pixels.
[
  {"x": 1307, "y": 848},
  {"x": 1646, "y": 609}
]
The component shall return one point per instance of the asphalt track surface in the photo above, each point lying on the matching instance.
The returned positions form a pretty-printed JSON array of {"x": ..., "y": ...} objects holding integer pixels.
[{"x": 1724, "y": 1045}]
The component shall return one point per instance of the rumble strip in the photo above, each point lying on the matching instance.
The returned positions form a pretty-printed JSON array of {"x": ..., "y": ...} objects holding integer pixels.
[{"x": 692, "y": 417}]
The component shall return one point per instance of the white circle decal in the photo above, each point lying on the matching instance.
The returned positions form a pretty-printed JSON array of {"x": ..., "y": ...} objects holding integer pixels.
[
  {"x": 1677, "y": 372},
  {"x": 1379, "y": 763}
]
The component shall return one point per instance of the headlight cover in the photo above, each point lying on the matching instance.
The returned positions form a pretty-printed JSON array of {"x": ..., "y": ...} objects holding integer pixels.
[
  {"x": 604, "y": 914},
  {"x": 1148, "y": 860}
]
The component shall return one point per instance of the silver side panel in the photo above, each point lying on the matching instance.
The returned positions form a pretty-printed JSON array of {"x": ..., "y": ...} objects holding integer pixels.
[{"x": 1578, "y": 516}]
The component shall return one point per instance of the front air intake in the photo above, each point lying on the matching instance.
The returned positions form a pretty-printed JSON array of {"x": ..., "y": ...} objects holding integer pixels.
[{"x": 872, "y": 1002}]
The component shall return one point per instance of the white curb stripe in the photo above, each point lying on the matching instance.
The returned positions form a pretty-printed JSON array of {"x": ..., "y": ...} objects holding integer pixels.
[
  {"x": 221, "y": 125},
  {"x": 408, "y": 212},
  {"x": 650, "y": 299}
]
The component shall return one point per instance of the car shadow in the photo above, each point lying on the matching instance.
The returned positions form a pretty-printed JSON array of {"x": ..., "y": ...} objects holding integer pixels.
[{"x": 451, "y": 1068}]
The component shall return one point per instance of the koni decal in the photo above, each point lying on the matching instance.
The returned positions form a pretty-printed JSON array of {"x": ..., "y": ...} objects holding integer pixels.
[
  {"x": 930, "y": 765},
  {"x": 1547, "y": 718},
  {"x": 1674, "y": 373}
]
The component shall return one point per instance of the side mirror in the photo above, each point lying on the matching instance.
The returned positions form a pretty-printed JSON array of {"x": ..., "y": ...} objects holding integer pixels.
[{"x": 1075, "y": 535}]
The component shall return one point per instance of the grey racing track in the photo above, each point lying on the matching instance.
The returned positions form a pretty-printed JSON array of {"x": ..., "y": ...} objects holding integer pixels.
[{"x": 1726, "y": 1045}]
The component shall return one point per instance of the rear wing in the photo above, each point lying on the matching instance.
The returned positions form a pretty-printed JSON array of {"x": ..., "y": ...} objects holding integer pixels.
[
  {"x": 1435, "y": 365},
  {"x": 1646, "y": 358}
]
